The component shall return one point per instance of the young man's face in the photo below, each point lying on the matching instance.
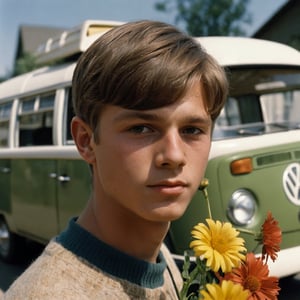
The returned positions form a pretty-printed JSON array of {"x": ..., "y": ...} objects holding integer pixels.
[{"x": 148, "y": 164}]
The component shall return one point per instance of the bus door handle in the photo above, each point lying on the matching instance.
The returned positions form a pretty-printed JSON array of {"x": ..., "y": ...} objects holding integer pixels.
[
  {"x": 5, "y": 170},
  {"x": 62, "y": 178},
  {"x": 52, "y": 175}
]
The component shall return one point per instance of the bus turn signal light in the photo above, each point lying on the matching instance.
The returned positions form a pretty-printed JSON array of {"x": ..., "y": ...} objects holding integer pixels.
[{"x": 241, "y": 166}]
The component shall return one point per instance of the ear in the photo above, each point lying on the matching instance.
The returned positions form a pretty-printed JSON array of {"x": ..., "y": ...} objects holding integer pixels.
[{"x": 83, "y": 138}]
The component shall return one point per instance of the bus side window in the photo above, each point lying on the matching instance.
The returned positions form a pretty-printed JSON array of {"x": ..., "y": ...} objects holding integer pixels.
[
  {"x": 69, "y": 116},
  {"x": 250, "y": 109},
  {"x": 230, "y": 114},
  {"x": 5, "y": 110},
  {"x": 36, "y": 120}
]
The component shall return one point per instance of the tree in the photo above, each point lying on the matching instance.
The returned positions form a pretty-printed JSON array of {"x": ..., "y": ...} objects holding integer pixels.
[
  {"x": 25, "y": 64},
  {"x": 209, "y": 17},
  {"x": 294, "y": 41}
]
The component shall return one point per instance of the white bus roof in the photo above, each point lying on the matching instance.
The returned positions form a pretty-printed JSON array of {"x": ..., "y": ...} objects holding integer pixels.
[
  {"x": 72, "y": 41},
  {"x": 236, "y": 51},
  {"x": 37, "y": 81},
  {"x": 228, "y": 51}
]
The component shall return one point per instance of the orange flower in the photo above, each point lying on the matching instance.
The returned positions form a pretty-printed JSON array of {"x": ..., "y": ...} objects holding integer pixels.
[
  {"x": 271, "y": 238},
  {"x": 253, "y": 275}
]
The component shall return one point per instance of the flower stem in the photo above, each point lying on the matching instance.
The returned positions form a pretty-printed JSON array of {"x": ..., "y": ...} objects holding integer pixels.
[
  {"x": 205, "y": 193},
  {"x": 244, "y": 230}
]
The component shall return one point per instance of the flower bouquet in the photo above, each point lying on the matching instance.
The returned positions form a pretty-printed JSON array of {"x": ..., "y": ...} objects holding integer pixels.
[{"x": 223, "y": 269}]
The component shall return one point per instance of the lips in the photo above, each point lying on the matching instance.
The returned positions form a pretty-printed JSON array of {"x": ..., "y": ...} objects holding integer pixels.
[
  {"x": 169, "y": 187},
  {"x": 169, "y": 183}
]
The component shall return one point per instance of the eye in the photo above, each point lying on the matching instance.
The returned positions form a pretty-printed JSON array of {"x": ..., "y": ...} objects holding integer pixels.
[
  {"x": 192, "y": 130},
  {"x": 140, "y": 129}
]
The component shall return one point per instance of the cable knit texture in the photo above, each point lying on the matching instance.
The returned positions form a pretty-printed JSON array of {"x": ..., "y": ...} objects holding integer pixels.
[{"x": 76, "y": 265}]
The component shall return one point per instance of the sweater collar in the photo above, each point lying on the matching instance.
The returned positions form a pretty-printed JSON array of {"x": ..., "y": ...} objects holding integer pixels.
[{"x": 110, "y": 260}]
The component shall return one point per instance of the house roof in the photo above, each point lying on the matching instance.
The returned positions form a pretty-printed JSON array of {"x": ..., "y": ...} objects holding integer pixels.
[
  {"x": 278, "y": 15},
  {"x": 31, "y": 36}
]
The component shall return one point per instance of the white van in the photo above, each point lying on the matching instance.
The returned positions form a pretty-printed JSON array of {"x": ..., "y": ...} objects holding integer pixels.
[{"x": 254, "y": 163}]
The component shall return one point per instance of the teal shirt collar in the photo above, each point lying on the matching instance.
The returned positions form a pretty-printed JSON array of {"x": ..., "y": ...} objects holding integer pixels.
[{"x": 110, "y": 260}]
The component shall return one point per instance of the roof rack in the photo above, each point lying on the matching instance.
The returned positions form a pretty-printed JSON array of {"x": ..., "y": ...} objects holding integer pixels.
[{"x": 73, "y": 41}]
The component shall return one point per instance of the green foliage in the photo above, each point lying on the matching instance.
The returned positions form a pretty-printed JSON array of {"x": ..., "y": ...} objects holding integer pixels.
[
  {"x": 294, "y": 41},
  {"x": 209, "y": 17},
  {"x": 25, "y": 64},
  {"x": 195, "y": 277}
]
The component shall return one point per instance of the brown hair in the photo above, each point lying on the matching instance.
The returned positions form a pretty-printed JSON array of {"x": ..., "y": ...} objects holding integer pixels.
[{"x": 144, "y": 65}]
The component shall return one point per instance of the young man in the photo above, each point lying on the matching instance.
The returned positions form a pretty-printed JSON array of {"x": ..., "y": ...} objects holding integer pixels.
[{"x": 145, "y": 98}]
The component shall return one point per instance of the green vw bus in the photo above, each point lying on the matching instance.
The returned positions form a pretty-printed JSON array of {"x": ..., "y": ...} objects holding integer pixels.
[{"x": 254, "y": 164}]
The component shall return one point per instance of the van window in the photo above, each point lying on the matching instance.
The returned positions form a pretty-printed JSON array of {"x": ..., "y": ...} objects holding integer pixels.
[
  {"x": 68, "y": 118},
  {"x": 5, "y": 110},
  {"x": 46, "y": 101},
  {"x": 282, "y": 108},
  {"x": 261, "y": 101},
  {"x": 28, "y": 105},
  {"x": 36, "y": 120}
]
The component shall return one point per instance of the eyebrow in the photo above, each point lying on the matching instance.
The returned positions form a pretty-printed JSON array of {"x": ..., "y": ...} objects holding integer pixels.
[
  {"x": 148, "y": 116},
  {"x": 133, "y": 114}
]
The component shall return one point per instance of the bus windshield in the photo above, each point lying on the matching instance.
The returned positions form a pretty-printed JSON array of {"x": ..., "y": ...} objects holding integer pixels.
[{"x": 261, "y": 100}]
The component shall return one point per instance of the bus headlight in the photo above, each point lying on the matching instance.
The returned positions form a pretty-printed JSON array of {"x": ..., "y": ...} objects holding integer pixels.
[{"x": 242, "y": 206}]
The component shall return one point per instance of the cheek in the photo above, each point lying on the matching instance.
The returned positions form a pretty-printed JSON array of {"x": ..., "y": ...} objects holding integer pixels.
[
  {"x": 198, "y": 160},
  {"x": 198, "y": 166},
  {"x": 119, "y": 162}
]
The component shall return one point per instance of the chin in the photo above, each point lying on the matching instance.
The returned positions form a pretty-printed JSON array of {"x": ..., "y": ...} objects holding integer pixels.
[{"x": 168, "y": 214}]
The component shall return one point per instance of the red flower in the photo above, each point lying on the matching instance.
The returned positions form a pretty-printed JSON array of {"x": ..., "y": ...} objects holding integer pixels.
[
  {"x": 271, "y": 238},
  {"x": 253, "y": 275}
]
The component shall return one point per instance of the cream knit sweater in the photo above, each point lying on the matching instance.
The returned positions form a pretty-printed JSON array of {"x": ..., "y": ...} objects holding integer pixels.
[{"x": 76, "y": 265}]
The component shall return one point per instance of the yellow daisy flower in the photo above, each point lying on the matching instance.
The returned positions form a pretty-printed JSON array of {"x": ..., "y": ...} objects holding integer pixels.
[
  {"x": 219, "y": 244},
  {"x": 227, "y": 290}
]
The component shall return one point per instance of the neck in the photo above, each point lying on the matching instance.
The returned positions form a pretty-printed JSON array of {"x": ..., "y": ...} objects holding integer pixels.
[{"x": 126, "y": 232}]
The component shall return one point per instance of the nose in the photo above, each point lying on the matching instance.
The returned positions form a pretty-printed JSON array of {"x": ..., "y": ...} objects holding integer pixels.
[{"x": 171, "y": 151}]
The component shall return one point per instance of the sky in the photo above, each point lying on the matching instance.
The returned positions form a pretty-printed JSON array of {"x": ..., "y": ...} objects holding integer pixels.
[{"x": 70, "y": 13}]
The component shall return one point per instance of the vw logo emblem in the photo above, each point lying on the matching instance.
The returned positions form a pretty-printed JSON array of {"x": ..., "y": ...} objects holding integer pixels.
[{"x": 291, "y": 183}]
